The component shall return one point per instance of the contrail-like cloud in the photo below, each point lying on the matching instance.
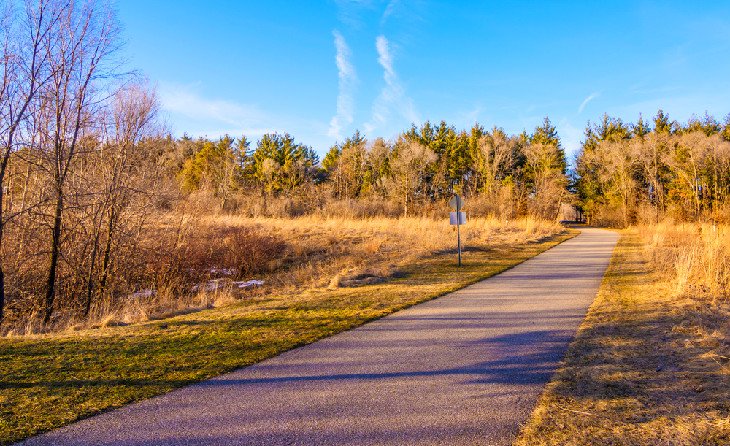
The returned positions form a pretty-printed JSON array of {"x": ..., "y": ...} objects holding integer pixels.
[
  {"x": 393, "y": 95},
  {"x": 389, "y": 9},
  {"x": 346, "y": 84},
  {"x": 385, "y": 59},
  {"x": 585, "y": 102}
]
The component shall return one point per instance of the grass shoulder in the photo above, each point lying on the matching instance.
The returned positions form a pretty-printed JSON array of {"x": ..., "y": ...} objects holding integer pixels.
[
  {"x": 647, "y": 366},
  {"x": 51, "y": 380}
]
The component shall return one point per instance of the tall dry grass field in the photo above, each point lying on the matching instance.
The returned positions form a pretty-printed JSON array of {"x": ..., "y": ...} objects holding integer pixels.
[
  {"x": 694, "y": 257},
  {"x": 325, "y": 252},
  {"x": 187, "y": 262}
]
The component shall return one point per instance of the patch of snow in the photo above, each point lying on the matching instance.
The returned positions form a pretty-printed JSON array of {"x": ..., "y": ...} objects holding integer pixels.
[
  {"x": 142, "y": 293},
  {"x": 216, "y": 284},
  {"x": 211, "y": 285},
  {"x": 248, "y": 283},
  {"x": 223, "y": 271}
]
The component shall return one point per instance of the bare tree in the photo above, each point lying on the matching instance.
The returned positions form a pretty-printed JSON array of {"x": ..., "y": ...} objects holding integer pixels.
[
  {"x": 494, "y": 158},
  {"x": 408, "y": 166},
  {"x": 377, "y": 164},
  {"x": 544, "y": 172},
  {"x": 24, "y": 72},
  {"x": 650, "y": 151},
  {"x": 81, "y": 41},
  {"x": 134, "y": 111}
]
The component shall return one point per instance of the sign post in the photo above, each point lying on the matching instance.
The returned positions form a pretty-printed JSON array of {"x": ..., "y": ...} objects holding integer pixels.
[{"x": 457, "y": 218}]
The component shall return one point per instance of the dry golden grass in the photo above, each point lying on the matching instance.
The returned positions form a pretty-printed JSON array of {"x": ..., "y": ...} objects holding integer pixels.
[
  {"x": 694, "y": 257},
  {"x": 650, "y": 365},
  {"x": 321, "y": 249},
  {"x": 319, "y": 252}
]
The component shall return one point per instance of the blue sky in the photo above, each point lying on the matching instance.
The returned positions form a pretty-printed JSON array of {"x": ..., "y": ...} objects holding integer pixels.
[{"x": 321, "y": 69}]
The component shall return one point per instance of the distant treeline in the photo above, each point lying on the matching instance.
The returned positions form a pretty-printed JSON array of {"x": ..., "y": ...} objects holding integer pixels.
[
  {"x": 624, "y": 173},
  {"x": 510, "y": 174},
  {"x": 645, "y": 172}
]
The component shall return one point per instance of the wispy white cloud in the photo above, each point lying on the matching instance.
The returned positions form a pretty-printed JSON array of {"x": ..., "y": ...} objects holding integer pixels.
[
  {"x": 199, "y": 115},
  {"x": 385, "y": 59},
  {"x": 646, "y": 89},
  {"x": 346, "y": 83},
  {"x": 389, "y": 10},
  {"x": 358, "y": 13},
  {"x": 678, "y": 106},
  {"x": 393, "y": 96},
  {"x": 585, "y": 102},
  {"x": 212, "y": 116}
]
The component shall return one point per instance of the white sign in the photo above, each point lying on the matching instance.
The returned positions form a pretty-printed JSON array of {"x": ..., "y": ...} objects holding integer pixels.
[
  {"x": 456, "y": 203},
  {"x": 453, "y": 220}
]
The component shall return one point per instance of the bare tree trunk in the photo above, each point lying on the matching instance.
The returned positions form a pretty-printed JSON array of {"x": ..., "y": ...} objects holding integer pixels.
[
  {"x": 2, "y": 294},
  {"x": 2, "y": 272},
  {"x": 716, "y": 193},
  {"x": 107, "y": 252},
  {"x": 90, "y": 277},
  {"x": 3, "y": 170},
  {"x": 83, "y": 38},
  {"x": 92, "y": 265},
  {"x": 55, "y": 250},
  {"x": 15, "y": 106}
]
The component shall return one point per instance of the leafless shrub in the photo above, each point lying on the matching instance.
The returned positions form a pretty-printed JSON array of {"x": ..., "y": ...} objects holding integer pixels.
[
  {"x": 166, "y": 270},
  {"x": 178, "y": 261}
]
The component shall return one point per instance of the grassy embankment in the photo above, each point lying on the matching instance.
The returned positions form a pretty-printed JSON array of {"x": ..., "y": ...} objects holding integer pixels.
[
  {"x": 50, "y": 380},
  {"x": 651, "y": 362}
]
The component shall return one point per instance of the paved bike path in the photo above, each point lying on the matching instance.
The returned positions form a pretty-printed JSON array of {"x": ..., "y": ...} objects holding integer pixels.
[{"x": 464, "y": 369}]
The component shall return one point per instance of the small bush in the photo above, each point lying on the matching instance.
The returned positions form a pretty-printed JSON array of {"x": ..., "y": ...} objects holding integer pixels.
[{"x": 177, "y": 263}]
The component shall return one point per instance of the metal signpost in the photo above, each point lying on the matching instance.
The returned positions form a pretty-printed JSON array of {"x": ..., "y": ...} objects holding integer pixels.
[{"x": 457, "y": 218}]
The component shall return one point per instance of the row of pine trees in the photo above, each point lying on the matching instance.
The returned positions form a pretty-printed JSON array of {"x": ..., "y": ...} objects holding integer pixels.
[
  {"x": 624, "y": 173},
  {"x": 518, "y": 174}
]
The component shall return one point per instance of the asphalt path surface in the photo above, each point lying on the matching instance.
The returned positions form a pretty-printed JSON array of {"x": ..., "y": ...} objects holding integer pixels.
[{"x": 464, "y": 369}]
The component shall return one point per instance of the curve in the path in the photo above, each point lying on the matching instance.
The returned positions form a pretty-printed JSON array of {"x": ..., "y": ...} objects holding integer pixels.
[{"x": 466, "y": 368}]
